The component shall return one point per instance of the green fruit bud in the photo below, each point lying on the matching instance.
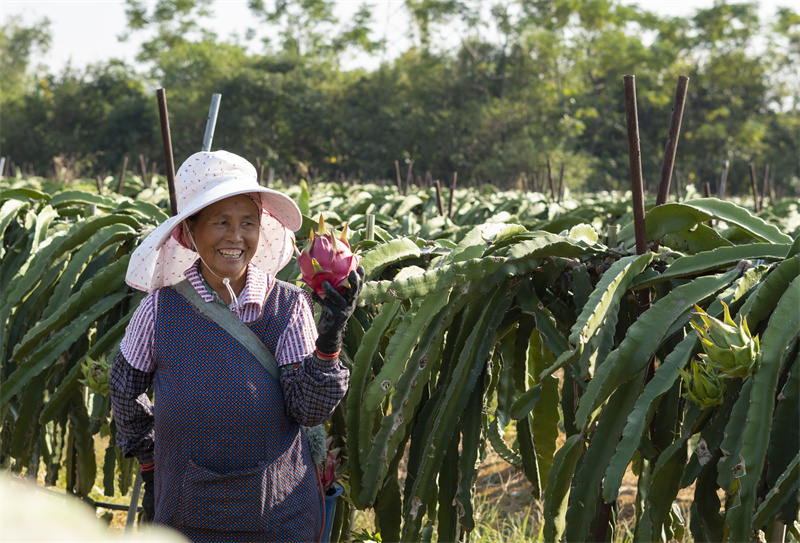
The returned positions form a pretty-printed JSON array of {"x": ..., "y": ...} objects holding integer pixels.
[
  {"x": 702, "y": 385},
  {"x": 729, "y": 348},
  {"x": 95, "y": 373}
]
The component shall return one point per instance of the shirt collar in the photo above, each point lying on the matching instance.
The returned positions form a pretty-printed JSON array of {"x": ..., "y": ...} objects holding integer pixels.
[{"x": 255, "y": 289}]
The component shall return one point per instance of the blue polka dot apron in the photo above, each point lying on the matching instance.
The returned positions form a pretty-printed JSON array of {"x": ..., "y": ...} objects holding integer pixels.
[{"x": 230, "y": 465}]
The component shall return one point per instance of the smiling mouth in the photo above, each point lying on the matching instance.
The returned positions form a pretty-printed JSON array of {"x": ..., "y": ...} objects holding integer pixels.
[{"x": 230, "y": 253}]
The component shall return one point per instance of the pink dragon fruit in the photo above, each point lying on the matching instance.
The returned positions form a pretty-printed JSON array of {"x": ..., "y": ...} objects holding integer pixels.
[
  {"x": 330, "y": 465},
  {"x": 326, "y": 258}
]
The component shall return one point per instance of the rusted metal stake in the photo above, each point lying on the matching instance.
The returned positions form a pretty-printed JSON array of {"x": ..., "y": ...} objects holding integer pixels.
[
  {"x": 397, "y": 176},
  {"x": 772, "y": 194},
  {"x": 671, "y": 146},
  {"x": 122, "y": 174},
  {"x": 452, "y": 190},
  {"x": 753, "y": 183},
  {"x": 167, "y": 141},
  {"x": 674, "y": 134},
  {"x": 560, "y": 184},
  {"x": 438, "y": 186},
  {"x": 143, "y": 168},
  {"x": 764, "y": 188},
  {"x": 634, "y": 155},
  {"x": 550, "y": 178},
  {"x": 408, "y": 177},
  {"x": 635, "y": 158}
]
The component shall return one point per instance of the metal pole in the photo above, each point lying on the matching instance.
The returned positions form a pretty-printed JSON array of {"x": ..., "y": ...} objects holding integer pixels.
[
  {"x": 408, "y": 177},
  {"x": 671, "y": 146},
  {"x": 134, "y": 505},
  {"x": 143, "y": 166},
  {"x": 672, "y": 140},
  {"x": 452, "y": 191},
  {"x": 753, "y": 183},
  {"x": 167, "y": 141},
  {"x": 122, "y": 175},
  {"x": 634, "y": 155},
  {"x": 550, "y": 178},
  {"x": 723, "y": 179},
  {"x": 397, "y": 176},
  {"x": 212, "y": 121}
]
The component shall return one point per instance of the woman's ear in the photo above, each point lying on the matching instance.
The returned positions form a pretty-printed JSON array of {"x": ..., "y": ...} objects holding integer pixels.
[{"x": 188, "y": 232}]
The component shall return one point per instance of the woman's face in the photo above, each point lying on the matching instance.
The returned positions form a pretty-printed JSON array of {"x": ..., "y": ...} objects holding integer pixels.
[{"x": 226, "y": 235}]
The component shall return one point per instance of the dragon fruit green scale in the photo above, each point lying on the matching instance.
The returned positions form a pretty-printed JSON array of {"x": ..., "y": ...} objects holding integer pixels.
[
  {"x": 729, "y": 348},
  {"x": 326, "y": 258},
  {"x": 702, "y": 386}
]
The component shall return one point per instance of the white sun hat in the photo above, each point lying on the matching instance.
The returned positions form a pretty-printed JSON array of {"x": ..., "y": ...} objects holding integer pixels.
[{"x": 205, "y": 178}]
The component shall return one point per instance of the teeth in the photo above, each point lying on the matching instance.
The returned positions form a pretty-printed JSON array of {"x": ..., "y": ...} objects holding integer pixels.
[{"x": 233, "y": 254}]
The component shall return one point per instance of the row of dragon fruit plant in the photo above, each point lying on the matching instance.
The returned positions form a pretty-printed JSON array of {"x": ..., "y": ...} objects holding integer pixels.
[{"x": 518, "y": 312}]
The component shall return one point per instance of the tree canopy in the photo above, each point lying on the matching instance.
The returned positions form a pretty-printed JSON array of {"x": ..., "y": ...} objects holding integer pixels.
[{"x": 526, "y": 81}]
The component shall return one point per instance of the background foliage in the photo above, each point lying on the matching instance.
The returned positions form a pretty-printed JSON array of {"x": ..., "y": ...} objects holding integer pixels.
[{"x": 530, "y": 79}]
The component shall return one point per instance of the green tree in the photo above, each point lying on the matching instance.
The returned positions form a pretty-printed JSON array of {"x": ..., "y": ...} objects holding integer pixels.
[
  {"x": 98, "y": 116},
  {"x": 174, "y": 22},
  {"x": 17, "y": 44}
]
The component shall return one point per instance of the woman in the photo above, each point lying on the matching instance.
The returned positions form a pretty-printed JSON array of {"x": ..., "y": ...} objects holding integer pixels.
[{"x": 222, "y": 452}]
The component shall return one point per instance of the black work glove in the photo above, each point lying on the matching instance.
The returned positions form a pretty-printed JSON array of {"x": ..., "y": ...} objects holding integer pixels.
[
  {"x": 336, "y": 310},
  {"x": 148, "y": 500}
]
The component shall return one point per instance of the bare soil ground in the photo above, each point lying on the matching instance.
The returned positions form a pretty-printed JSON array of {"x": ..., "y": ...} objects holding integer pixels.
[{"x": 502, "y": 484}]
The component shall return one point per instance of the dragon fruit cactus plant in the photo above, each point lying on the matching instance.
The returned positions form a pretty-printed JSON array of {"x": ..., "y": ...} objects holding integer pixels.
[{"x": 326, "y": 258}]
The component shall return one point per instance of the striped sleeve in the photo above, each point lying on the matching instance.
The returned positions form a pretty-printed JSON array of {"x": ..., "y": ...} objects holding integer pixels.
[
  {"x": 137, "y": 345},
  {"x": 299, "y": 337}
]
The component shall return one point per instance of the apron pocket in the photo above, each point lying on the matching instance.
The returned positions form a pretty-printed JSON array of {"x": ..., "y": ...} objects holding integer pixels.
[{"x": 236, "y": 501}]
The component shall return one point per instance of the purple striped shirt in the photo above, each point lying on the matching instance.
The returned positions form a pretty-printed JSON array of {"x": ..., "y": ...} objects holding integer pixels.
[{"x": 296, "y": 342}]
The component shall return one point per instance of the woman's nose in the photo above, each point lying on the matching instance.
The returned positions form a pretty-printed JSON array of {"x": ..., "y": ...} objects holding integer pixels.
[{"x": 235, "y": 233}]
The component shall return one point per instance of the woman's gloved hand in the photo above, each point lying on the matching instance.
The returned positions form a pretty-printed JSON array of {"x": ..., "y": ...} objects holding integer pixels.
[
  {"x": 148, "y": 500},
  {"x": 336, "y": 310}
]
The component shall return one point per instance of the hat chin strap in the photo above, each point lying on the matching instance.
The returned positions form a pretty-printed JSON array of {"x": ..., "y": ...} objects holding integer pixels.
[{"x": 225, "y": 280}]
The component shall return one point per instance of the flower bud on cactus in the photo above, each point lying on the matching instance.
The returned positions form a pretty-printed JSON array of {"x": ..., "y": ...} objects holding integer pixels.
[
  {"x": 729, "y": 348},
  {"x": 326, "y": 258},
  {"x": 95, "y": 374},
  {"x": 703, "y": 386}
]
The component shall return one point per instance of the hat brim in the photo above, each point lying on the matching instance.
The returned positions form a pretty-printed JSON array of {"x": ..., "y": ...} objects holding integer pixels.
[{"x": 160, "y": 260}]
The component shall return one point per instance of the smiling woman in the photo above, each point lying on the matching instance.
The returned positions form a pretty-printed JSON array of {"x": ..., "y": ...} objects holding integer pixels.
[
  {"x": 225, "y": 235},
  {"x": 223, "y": 455}
]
